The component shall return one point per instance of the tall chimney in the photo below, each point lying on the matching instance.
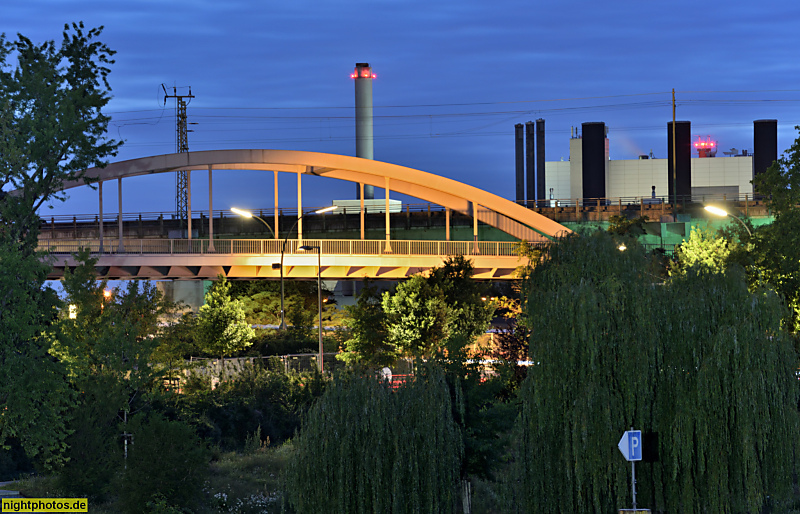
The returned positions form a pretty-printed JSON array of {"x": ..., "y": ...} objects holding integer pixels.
[
  {"x": 594, "y": 160},
  {"x": 519, "y": 147},
  {"x": 541, "y": 194},
  {"x": 765, "y": 144},
  {"x": 530, "y": 163},
  {"x": 363, "y": 77},
  {"x": 683, "y": 160}
]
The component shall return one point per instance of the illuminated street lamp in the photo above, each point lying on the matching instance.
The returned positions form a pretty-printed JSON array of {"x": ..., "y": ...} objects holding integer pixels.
[
  {"x": 722, "y": 212},
  {"x": 248, "y": 214},
  {"x": 307, "y": 248}
]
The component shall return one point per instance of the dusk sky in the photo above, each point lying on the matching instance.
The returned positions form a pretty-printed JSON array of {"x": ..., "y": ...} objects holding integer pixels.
[{"x": 453, "y": 77}]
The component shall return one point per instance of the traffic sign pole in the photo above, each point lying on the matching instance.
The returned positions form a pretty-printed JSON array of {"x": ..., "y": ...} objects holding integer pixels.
[
  {"x": 633, "y": 469},
  {"x": 630, "y": 445}
]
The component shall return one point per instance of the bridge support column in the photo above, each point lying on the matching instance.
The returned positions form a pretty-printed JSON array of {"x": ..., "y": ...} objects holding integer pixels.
[
  {"x": 189, "y": 204},
  {"x": 275, "y": 188},
  {"x": 210, "y": 213},
  {"x": 361, "y": 198},
  {"x": 100, "y": 218},
  {"x": 121, "y": 247},
  {"x": 388, "y": 248},
  {"x": 475, "y": 248},
  {"x": 299, "y": 209},
  {"x": 447, "y": 223}
]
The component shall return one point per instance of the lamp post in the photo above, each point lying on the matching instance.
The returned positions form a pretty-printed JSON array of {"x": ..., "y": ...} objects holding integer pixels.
[
  {"x": 319, "y": 295},
  {"x": 721, "y": 212},
  {"x": 248, "y": 214}
]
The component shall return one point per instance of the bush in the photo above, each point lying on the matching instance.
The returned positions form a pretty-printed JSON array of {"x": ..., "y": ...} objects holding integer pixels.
[
  {"x": 95, "y": 447},
  {"x": 255, "y": 397},
  {"x": 166, "y": 465}
]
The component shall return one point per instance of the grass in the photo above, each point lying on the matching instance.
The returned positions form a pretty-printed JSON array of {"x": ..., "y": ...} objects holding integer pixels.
[
  {"x": 245, "y": 483},
  {"x": 237, "y": 483}
]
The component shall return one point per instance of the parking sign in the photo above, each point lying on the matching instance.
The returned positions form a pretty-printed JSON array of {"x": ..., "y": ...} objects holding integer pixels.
[{"x": 631, "y": 445}]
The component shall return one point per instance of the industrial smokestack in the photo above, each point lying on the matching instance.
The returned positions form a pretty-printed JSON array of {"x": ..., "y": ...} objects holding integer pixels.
[
  {"x": 594, "y": 160},
  {"x": 541, "y": 194},
  {"x": 519, "y": 146},
  {"x": 530, "y": 163},
  {"x": 363, "y": 77},
  {"x": 765, "y": 144},
  {"x": 683, "y": 161}
]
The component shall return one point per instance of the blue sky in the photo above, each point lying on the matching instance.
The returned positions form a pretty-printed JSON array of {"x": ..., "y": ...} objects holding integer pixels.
[{"x": 453, "y": 77}]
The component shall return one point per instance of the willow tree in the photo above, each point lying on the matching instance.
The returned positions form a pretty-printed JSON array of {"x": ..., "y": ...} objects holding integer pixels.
[
  {"x": 699, "y": 360},
  {"x": 367, "y": 448}
]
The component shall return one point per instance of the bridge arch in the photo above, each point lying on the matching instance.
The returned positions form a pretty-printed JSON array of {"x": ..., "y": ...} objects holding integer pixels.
[{"x": 491, "y": 209}]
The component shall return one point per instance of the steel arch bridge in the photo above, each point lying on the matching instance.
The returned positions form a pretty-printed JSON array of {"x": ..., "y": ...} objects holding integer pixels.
[{"x": 131, "y": 258}]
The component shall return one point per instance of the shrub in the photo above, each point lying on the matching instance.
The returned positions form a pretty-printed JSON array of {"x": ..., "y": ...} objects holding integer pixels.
[{"x": 166, "y": 465}]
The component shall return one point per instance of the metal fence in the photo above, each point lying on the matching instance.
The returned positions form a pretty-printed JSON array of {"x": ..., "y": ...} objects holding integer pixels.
[{"x": 276, "y": 247}]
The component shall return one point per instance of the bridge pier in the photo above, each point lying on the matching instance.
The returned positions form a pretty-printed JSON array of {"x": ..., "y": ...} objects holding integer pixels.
[
  {"x": 210, "y": 213},
  {"x": 100, "y": 218}
]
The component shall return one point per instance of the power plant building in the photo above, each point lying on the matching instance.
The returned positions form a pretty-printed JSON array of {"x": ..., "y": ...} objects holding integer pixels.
[{"x": 590, "y": 175}]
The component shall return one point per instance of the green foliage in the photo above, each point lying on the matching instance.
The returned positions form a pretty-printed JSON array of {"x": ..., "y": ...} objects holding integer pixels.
[
  {"x": 261, "y": 300},
  {"x": 166, "y": 464},
  {"x": 268, "y": 400},
  {"x": 222, "y": 329},
  {"x": 622, "y": 226},
  {"x": 95, "y": 451},
  {"x": 368, "y": 342},
  {"x": 424, "y": 316},
  {"x": 776, "y": 261},
  {"x": 700, "y": 360},
  {"x": 776, "y": 247},
  {"x": 34, "y": 395},
  {"x": 367, "y": 448},
  {"x": 705, "y": 252},
  {"x": 417, "y": 317},
  {"x": 469, "y": 314},
  {"x": 52, "y": 127}
]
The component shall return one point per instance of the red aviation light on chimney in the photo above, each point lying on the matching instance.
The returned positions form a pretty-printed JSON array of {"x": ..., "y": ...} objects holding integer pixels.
[
  {"x": 705, "y": 148},
  {"x": 363, "y": 71}
]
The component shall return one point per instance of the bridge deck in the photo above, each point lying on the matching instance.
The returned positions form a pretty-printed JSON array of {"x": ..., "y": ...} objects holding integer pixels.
[{"x": 254, "y": 258}]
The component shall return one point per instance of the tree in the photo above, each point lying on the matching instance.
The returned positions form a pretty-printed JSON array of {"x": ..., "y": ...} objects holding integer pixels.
[
  {"x": 368, "y": 341},
  {"x": 367, "y": 448},
  {"x": 52, "y": 125},
  {"x": 417, "y": 317},
  {"x": 700, "y": 360},
  {"x": 469, "y": 313},
  {"x": 222, "y": 329},
  {"x": 705, "y": 251},
  {"x": 51, "y": 128},
  {"x": 109, "y": 350},
  {"x": 776, "y": 247},
  {"x": 620, "y": 225}
]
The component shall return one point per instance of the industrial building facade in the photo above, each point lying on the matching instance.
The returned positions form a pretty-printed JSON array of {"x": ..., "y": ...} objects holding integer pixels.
[{"x": 589, "y": 174}]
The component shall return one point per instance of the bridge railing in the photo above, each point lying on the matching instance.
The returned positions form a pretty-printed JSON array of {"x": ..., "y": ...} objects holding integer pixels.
[{"x": 274, "y": 247}]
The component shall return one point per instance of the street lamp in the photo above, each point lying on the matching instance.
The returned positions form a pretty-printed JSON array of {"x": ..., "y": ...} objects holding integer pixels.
[
  {"x": 722, "y": 212},
  {"x": 307, "y": 248},
  {"x": 248, "y": 214}
]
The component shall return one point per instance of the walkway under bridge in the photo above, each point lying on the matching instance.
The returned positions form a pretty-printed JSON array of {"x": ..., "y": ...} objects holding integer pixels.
[{"x": 184, "y": 259}]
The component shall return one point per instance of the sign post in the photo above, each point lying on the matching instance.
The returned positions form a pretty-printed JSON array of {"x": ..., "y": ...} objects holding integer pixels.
[{"x": 631, "y": 447}]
